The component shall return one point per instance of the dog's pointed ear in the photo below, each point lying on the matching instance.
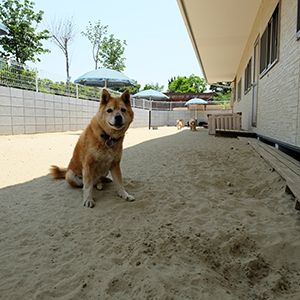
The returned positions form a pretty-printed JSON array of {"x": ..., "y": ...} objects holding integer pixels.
[
  {"x": 126, "y": 97},
  {"x": 104, "y": 97}
]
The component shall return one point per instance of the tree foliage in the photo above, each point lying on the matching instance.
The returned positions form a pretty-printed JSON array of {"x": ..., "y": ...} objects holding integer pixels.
[
  {"x": 222, "y": 97},
  {"x": 153, "y": 86},
  {"x": 133, "y": 89},
  {"x": 222, "y": 91},
  {"x": 222, "y": 87},
  {"x": 23, "y": 43},
  {"x": 95, "y": 34},
  {"x": 183, "y": 84},
  {"x": 111, "y": 53},
  {"x": 108, "y": 51}
]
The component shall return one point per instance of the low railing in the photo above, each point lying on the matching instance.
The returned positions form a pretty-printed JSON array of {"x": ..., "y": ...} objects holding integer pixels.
[
  {"x": 156, "y": 105},
  {"x": 224, "y": 122}
]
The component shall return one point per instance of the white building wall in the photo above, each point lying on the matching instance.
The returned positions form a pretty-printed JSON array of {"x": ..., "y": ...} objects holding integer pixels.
[{"x": 278, "y": 90}]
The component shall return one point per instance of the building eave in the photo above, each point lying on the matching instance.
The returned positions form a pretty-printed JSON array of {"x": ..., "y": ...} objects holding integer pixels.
[{"x": 219, "y": 31}]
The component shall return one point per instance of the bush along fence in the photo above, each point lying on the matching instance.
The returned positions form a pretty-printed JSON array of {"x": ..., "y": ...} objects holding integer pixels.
[{"x": 17, "y": 76}]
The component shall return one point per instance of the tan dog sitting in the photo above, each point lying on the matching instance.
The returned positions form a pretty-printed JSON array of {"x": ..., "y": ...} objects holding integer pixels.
[
  {"x": 179, "y": 124},
  {"x": 99, "y": 149},
  {"x": 192, "y": 124}
]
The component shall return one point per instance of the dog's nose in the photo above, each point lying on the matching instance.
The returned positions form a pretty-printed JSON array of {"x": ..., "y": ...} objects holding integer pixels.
[{"x": 118, "y": 120}]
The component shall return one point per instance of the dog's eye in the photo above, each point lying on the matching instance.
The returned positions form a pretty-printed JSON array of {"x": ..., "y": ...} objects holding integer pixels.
[
  {"x": 109, "y": 110},
  {"x": 123, "y": 110}
]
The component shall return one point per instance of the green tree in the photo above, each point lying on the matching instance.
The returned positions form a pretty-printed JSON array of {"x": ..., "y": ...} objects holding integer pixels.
[
  {"x": 133, "y": 89},
  {"x": 111, "y": 53},
  {"x": 152, "y": 86},
  {"x": 183, "y": 84},
  {"x": 221, "y": 87},
  {"x": 222, "y": 91},
  {"x": 222, "y": 97},
  {"x": 95, "y": 34},
  {"x": 23, "y": 43}
]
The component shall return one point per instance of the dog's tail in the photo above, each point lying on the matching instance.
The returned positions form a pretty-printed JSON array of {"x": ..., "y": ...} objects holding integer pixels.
[{"x": 58, "y": 173}]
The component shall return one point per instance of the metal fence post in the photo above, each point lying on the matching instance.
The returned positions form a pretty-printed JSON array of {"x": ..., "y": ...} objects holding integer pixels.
[
  {"x": 36, "y": 80},
  {"x": 77, "y": 93}
]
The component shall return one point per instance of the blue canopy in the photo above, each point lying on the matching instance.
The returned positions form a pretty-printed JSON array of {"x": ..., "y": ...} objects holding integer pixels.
[
  {"x": 195, "y": 101},
  {"x": 3, "y": 29},
  {"x": 151, "y": 94},
  {"x": 104, "y": 77}
]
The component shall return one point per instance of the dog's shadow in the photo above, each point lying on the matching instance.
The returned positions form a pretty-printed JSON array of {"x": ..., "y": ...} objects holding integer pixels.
[{"x": 45, "y": 191}]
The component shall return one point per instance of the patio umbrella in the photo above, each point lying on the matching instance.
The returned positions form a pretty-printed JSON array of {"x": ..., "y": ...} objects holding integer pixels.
[
  {"x": 196, "y": 101},
  {"x": 104, "y": 77},
  {"x": 3, "y": 29},
  {"x": 151, "y": 95}
]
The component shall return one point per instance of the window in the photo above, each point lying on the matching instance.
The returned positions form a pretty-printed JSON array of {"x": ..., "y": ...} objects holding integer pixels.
[
  {"x": 298, "y": 20},
  {"x": 269, "y": 43},
  {"x": 247, "y": 85},
  {"x": 239, "y": 90}
]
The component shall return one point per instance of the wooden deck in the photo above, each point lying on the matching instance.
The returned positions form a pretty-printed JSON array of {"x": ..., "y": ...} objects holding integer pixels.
[{"x": 287, "y": 167}]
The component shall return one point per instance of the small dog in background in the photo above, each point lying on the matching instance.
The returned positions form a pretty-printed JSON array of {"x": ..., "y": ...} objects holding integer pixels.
[
  {"x": 192, "y": 124},
  {"x": 179, "y": 124}
]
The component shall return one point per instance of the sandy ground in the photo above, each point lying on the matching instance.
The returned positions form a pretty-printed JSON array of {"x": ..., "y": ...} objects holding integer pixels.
[{"x": 211, "y": 220}]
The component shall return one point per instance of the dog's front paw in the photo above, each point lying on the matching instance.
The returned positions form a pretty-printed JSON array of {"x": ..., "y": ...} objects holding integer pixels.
[
  {"x": 89, "y": 202},
  {"x": 126, "y": 196},
  {"x": 129, "y": 198},
  {"x": 99, "y": 186}
]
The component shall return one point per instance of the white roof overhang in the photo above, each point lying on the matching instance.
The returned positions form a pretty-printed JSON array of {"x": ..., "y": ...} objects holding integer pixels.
[{"x": 219, "y": 30}]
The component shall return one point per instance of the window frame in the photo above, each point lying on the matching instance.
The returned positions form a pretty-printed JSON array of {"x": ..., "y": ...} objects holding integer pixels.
[
  {"x": 298, "y": 21},
  {"x": 239, "y": 90},
  {"x": 233, "y": 90},
  {"x": 269, "y": 43},
  {"x": 248, "y": 77}
]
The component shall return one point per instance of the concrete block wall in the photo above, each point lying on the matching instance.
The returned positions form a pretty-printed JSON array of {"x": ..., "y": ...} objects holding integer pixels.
[
  {"x": 169, "y": 118},
  {"x": 24, "y": 112},
  {"x": 140, "y": 118}
]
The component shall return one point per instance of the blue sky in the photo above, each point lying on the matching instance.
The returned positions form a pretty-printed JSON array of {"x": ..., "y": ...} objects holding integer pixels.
[{"x": 158, "y": 45}]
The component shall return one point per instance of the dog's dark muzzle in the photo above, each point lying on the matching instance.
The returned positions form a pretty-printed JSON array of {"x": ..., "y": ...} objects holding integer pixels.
[{"x": 118, "y": 121}]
